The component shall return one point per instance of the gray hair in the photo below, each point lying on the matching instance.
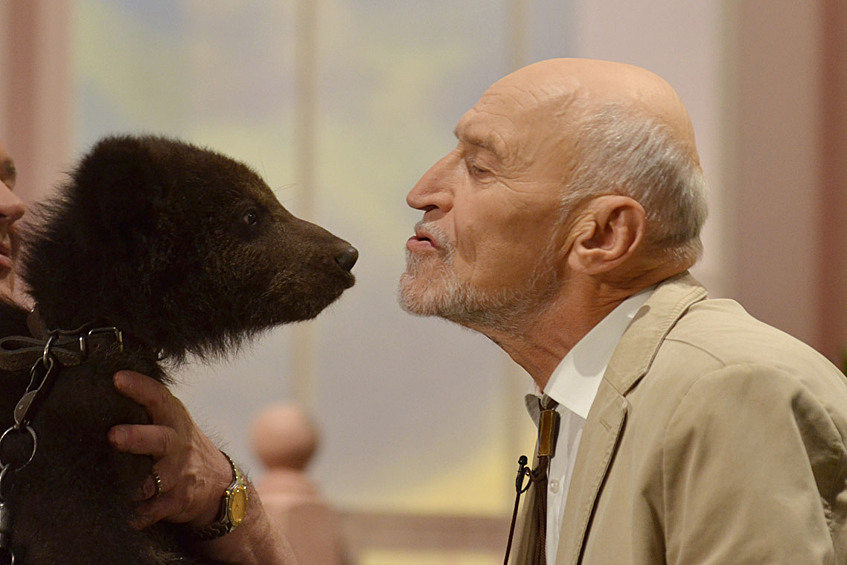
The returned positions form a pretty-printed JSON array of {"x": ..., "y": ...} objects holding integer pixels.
[{"x": 622, "y": 151}]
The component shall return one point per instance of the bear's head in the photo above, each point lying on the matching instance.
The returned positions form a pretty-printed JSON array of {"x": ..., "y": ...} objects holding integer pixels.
[{"x": 183, "y": 248}]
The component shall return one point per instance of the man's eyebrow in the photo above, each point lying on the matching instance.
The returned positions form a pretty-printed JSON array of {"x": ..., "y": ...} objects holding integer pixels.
[
  {"x": 8, "y": 170},
  {"x": 485, "y": 142}
]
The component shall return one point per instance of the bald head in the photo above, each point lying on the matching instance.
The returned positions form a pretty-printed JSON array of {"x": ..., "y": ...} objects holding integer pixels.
[
  {"x": 588, "y": 84},
  {"x": 621, "y": 130}
]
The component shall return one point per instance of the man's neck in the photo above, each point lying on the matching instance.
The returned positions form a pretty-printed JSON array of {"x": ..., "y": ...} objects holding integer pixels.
[{"x": 540, "y": 342}]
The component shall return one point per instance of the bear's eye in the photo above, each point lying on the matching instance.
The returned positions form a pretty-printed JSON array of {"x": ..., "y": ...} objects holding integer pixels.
[{"x": 251, "y": 218}]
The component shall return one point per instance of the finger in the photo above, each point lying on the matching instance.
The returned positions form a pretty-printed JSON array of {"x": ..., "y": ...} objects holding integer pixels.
[
  {"x": 161, "y": 405},
  {"x": 148, "y": 489},
  {"x": 149, "y": 439},
  {"x": 142, "y": 520},
  {"x": 170, "y": 506},
  {"x": 152, "y": 487},
  {"x": 154, "y": 510}
]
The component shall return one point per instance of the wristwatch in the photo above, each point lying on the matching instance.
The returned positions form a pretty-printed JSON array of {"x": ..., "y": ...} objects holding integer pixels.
[{"x": 233, "y": 508}]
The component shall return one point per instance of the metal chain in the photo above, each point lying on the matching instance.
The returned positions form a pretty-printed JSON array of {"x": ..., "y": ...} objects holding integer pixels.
[
  {"x": 40, "y": 380},
  {"x": 62, "y": 347}
]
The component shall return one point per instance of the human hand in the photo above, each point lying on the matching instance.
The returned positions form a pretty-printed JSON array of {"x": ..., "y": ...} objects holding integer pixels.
[{"x": 193, "y": 472}]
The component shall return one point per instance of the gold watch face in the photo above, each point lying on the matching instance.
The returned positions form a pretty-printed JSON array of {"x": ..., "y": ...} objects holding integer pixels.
[{"x": 237, "y": 505}]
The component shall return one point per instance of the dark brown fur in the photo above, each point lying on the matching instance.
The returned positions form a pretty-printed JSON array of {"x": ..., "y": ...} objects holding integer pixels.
[{"x": 187, "y": 252}]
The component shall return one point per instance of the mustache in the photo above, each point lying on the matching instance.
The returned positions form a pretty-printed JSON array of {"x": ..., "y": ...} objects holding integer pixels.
[{"x": 437, "y": 235}]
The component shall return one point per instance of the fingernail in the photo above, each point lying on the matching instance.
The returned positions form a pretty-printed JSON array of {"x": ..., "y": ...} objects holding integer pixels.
[
  {"x": 147, "y": 490},
  {"x": 117, "y": 436}
]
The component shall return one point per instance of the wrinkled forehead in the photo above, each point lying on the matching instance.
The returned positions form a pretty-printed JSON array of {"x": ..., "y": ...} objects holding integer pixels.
[
  {"x": 514, "y": 116},
  {"x": 543, "y": 105}
]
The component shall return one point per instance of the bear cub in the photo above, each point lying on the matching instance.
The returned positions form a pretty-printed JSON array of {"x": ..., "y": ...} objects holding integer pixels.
[{"x": 164, "y": 249}]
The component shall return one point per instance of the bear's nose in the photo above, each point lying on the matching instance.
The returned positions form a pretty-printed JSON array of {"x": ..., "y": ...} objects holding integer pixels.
[{"x": 347, "y": 258}]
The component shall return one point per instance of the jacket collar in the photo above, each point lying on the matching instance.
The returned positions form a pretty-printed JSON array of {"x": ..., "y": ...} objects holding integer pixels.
[
  {"x": 605, "y": 424},
  {"x": 641, "y": 341}
]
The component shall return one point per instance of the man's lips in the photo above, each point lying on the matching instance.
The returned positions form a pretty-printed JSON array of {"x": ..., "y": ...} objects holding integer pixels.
[
  {"x": 421, "y": 241},
  {"x": 416, "y": 243}
]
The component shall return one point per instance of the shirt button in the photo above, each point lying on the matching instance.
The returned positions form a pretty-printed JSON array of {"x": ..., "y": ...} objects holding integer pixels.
[{"x": 554, "y": 486}]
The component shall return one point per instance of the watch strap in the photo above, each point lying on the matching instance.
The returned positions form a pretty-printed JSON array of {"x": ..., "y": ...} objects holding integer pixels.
[{"x": 223, "y": 525}]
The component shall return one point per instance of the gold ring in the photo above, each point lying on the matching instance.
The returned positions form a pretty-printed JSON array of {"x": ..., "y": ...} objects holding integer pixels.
[{"x": 158, "y": 484}]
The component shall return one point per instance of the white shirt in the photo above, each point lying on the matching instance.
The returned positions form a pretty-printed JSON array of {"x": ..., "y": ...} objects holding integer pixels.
[{"x": 574, "y": 385}]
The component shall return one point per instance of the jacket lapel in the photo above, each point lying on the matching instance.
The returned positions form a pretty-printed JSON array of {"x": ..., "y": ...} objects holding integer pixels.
[
  {"x": 596, "y": 449},
  {"x": 605, "y": 424}
]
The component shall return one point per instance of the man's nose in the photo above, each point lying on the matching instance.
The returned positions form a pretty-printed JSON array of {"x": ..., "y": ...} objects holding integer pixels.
[
  {"x": 434, "y": 189},
  {"x": 11, "y": 207}
]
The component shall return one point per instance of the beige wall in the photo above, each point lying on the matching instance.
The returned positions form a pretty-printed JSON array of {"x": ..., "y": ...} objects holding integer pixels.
[
  {"x": 777, "y": 161},
  {"x": 786, "y": 189},
  {"x": 832, "y": 204}
]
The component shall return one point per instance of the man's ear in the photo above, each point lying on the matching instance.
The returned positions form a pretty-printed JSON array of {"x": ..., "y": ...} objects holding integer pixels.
[{"x": 607, "y": 233}]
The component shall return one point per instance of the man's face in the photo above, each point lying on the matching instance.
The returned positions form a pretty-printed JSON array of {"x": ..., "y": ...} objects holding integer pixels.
[
  {"x": 11, "y": 209},
  {"x": 489, "y": 247}
]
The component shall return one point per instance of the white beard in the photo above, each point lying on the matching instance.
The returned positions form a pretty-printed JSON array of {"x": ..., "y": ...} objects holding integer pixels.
[{"x": 430, "y": 287}]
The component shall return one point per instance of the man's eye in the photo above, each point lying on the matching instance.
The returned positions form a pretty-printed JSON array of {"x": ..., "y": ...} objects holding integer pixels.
[{"x": 478, "y": 171}]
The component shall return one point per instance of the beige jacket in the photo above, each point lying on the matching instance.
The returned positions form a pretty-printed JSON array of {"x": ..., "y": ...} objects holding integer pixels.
[{"x": 714, "y": 439}]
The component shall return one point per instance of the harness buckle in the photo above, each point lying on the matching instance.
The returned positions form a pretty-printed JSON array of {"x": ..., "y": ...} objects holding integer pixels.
[{"x": 95, "y": 333}]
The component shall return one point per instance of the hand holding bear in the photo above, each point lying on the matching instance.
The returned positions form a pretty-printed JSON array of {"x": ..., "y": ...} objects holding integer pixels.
[
  {"x": 193, "y": 475},
  {"x": 192, "y": 471}
]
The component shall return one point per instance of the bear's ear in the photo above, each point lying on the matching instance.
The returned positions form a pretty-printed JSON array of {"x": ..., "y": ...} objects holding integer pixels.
[{"x": 118, "y": 187}]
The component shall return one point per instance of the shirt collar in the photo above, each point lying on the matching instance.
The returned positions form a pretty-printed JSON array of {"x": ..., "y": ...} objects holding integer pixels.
[{"x": 575, "y": 380}]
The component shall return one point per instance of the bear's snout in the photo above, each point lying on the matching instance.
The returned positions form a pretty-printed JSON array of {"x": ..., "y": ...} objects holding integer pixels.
[{"x": 347, "y": 258}]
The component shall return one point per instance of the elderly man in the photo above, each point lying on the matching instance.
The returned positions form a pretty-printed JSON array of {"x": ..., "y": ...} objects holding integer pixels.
[{"x": 562, "y": 227}]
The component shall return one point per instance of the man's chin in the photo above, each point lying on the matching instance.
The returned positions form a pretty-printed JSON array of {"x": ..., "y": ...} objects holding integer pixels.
[
  {"x": 420, "y": 295},
  {"x": 409, "y": 296}
]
